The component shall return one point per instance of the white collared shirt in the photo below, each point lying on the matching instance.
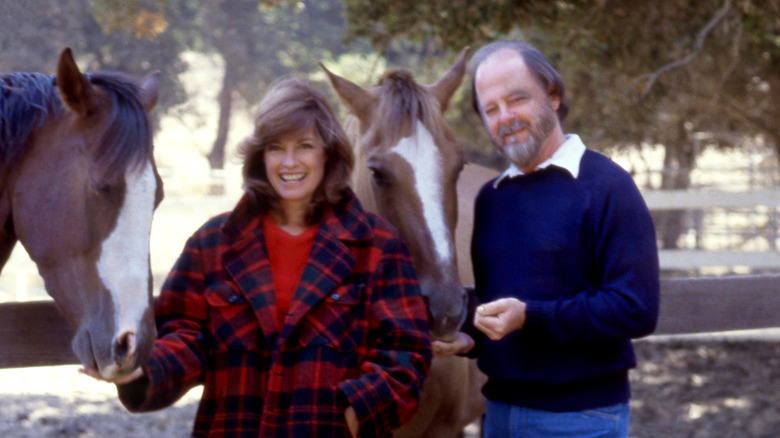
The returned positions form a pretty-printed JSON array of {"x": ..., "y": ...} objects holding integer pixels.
[{"x": 567, "y": 157}]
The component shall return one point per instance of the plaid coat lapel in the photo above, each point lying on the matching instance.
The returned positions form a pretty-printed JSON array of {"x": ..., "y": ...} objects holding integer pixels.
[
  {"x": 330, "y": 262},
  {"x": 247, "y": 262}
]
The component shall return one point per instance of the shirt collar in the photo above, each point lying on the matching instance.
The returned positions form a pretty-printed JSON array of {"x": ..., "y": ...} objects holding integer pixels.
[{"x": 567, "y": 157}]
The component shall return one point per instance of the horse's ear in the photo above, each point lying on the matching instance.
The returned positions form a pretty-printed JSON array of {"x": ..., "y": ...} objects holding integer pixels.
[
  {"x": 75, "y": 89},
  {"x": 358, "y": 100},
  {"x": 445, "y": 87},
  {"x": 150, "y": 90}
]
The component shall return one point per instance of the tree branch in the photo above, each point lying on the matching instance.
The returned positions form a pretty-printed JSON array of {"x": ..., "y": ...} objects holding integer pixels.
[{"x": 653, "y": 77}]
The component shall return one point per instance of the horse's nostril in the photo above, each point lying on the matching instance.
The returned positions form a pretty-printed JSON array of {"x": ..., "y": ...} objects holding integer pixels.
[{"x": 124, "y": 347}]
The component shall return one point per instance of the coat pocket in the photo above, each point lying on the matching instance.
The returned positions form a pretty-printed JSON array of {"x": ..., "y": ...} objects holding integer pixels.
[
  {"x": 337, "y": 322},
  {"x": 232, "y": 321}
]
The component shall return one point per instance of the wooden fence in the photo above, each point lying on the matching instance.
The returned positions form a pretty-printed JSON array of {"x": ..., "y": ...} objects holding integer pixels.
[
  {"x": 708, "y": 200},
  {"x": 35, "y": 334}
]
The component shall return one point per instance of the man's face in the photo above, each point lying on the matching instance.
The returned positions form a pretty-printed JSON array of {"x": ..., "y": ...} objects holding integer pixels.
[{"x": 517, "y": 112}]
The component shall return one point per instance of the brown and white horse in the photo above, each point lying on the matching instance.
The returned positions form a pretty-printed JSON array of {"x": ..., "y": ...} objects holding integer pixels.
[
  {"x": 78, "y": 187},
  {"x": 407, "y": 169}
]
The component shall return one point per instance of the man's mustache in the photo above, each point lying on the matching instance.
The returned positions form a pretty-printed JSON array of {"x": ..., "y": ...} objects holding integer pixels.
[{"x": 512, "y": 127}]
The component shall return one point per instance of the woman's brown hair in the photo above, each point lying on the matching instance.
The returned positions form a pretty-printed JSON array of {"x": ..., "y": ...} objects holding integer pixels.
[{"x": 292, "y": 105}]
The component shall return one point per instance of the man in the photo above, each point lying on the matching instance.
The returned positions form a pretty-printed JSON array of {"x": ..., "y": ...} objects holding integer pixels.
[{"x": 565, "y": 262}]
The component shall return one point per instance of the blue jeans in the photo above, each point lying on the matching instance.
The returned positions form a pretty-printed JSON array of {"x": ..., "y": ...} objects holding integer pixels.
[{"x": 503, "y": 420}]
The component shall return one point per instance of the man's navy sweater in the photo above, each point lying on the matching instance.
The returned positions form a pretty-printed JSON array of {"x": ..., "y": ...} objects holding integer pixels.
[{"x": 582, "y": 254}]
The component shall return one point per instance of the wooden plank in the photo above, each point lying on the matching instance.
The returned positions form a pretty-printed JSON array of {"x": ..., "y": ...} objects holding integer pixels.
[
  {"x": 714, "y": 304},
  {"x": 703, "y": 199},
  {"x": 695, "y": 259},
  {"x": 34, "y": 333}
]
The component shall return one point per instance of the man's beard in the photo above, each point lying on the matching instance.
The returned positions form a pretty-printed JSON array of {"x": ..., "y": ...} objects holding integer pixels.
[{"x": 523, "y": 153}]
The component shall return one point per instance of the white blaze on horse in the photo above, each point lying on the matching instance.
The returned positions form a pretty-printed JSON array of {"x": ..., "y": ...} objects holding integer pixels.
[
  {"x": 78, "y": 188},
  {"x": 407, "y": 169}
]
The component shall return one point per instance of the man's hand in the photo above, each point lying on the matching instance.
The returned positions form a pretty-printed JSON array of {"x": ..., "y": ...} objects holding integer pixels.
[
  {"x": 462, "y": 344},
  {"x": 497, "y": 319}
]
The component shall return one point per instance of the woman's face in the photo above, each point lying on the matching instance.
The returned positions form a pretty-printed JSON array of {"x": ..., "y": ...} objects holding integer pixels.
[{"x": 295, "y": 166}]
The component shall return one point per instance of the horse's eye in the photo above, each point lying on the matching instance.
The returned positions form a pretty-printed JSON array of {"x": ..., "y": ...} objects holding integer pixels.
[
  {"x": 379, "y": 177},
  {"x": 106, "y": 190}
]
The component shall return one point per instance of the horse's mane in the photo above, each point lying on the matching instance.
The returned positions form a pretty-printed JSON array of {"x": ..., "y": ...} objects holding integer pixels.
[
  {"x": 402, "y": 97},
  {"x": 29, "y": 100}
]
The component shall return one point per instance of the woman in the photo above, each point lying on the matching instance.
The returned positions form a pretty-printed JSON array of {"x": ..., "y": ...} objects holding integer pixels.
[{"x": 299, "y": 312}]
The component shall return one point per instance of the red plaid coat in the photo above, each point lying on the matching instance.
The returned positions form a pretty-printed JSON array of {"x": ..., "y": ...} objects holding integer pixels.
[{"x": 357, "y": 332}]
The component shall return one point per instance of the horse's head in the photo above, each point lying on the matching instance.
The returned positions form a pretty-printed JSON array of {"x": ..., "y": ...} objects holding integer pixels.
[
  {"x": 407, "y": 167},
  {"x": 81, "y": 199}
]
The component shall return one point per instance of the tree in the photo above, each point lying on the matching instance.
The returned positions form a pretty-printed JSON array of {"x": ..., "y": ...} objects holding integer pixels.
[
  {"x": 636, "y": 72},
  {"x": 260, "y": 41},
  {"x": 692, "y": 74},
  {"x": 256, "y": 40},
  {"x": 34, "y": 32}
]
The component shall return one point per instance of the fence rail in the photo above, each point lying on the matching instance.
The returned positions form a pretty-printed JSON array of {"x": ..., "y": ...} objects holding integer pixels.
[
  {"x": 35, "y": 334},
  {"x": 756, "y": 206},
  {"x": 707, "y": 199}
]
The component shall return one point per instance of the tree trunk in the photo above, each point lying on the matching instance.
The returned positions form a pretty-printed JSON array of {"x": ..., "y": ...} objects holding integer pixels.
[
  {"x": 679, "y": 159},
  {"x": 217, "y": 155},
  {"x": 772, "y": 126}
]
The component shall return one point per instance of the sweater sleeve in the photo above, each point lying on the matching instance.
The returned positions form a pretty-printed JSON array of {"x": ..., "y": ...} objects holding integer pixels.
[
  {"x": 177, "y": 361},
  {"x": 388, "y": 391},
  {"x": 468, "y": 326},
  {"x": 625, "y": 261}
]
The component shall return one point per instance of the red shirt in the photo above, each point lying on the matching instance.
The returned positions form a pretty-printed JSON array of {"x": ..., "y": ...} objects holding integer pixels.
[{"x": 288, "y": 255}]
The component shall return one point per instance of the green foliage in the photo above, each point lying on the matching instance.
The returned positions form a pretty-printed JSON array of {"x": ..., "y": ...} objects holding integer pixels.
[
  {"x": 450, "y": 23},
  {"x": 636, "y": 72},
  {"x": 34, "y": 32},
  {"x": 260, "y": 40},
  {"x": 143, "y": 19}
]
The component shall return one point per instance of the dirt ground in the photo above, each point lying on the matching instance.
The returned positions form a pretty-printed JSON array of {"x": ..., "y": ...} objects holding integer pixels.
[
  {"x": 682, "y": 388},
  {"x": 703, "y": 389}
]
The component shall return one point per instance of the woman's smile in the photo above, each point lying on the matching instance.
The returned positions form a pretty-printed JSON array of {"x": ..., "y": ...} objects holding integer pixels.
[{"x": 292, "y": 177}]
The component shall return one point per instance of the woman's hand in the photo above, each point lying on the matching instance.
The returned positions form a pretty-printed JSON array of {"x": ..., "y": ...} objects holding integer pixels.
[
  {"x": 136, "y": 374},
  {"x": 462, "y": 344},
  {"x": 352, "y": 421}
]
